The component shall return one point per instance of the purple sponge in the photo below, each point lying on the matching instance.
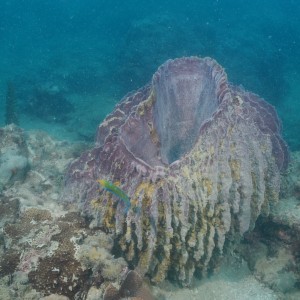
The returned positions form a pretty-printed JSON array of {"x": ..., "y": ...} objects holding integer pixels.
[{"x": 199, "y": 159}]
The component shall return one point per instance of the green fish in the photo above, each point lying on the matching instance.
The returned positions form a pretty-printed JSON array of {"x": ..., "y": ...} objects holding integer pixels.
[{"x": 112, "y": 188}]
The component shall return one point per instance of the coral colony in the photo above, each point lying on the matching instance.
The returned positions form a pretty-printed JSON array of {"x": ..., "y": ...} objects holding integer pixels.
[{"x": 199, "y": 158}]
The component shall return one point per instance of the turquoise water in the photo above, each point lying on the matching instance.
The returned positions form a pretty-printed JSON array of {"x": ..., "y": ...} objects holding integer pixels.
[
  {"x": 65, "y": 64},
  {"x": 70, "y": 62}
]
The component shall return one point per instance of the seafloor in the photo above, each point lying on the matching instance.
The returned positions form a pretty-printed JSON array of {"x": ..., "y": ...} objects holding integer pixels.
[{"x": 50, "y": 253}]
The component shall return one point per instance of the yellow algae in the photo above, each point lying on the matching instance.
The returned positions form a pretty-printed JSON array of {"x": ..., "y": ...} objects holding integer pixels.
[
  {"x": 230, "y": 130},
  {"x": 146, "y": 188},
  {"x": 117, "y": 183},
  {"x": 130, "y": 253},
  {"x": 134, "y": 202},
  {"x": 186, "y": 172},
  {"x": 235, "y": 166},
  {"x": 153, "y": 134},
  {"x": 162, "y": 270},
  {"x": 208, "y": 186},
  {"x": 96, "y": 203},
  {"x": 199, "y": 154},
  {"x": 147, "y": 104},
  {"x": 221, "y": 144},
  {"x": 128, "y": 233},
  {"x": 145, "y": 258},
  {"x": 192, "y": 239},
  {"x": 264, "y": 147},
  {"x": 232, "y": 147},
  {"x": 254, "y": 180},
  {"x": 109, "y": 216}
]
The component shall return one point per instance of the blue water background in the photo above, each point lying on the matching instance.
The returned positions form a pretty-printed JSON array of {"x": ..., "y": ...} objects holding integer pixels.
[{"x": 70, "y": 62}]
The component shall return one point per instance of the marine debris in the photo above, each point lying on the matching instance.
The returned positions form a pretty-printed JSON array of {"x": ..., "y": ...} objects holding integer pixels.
[{"x": 200, "y": 159}]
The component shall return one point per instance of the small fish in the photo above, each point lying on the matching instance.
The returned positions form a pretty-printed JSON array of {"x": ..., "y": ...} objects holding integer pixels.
[{"x": 112, "y": 188}]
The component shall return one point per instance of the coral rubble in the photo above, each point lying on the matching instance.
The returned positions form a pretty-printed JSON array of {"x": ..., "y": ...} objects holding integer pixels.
[
  {"x": 54, "y": 254},
  {"x": 200, "y": 160},
  {"x": 13, "y": 155},
  {"x": 45, "y": 250}
]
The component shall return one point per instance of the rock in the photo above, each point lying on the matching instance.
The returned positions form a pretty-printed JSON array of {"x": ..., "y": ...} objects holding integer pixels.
[{"x": 13, "y": 155}]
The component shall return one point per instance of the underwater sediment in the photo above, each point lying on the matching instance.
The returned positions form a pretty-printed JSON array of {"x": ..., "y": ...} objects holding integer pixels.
[{"x": 199, "y": 160}]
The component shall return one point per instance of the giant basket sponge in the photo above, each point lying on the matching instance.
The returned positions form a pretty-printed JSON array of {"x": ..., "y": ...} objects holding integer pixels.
[{"x": 199, "y": 159}]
